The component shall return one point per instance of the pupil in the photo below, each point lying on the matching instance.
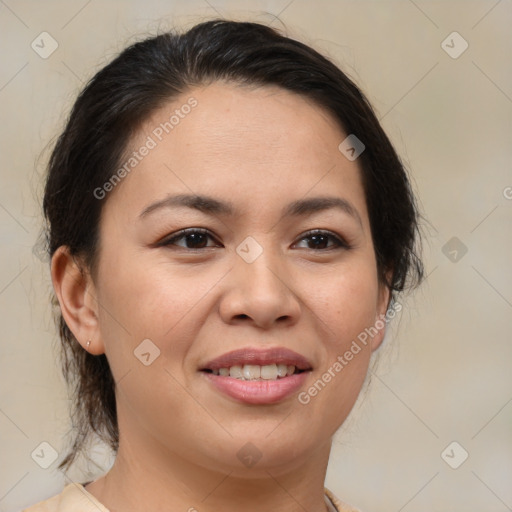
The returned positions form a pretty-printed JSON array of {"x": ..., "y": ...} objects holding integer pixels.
[
  {"x": 196, "y": 238},
  {"x": 318, "y": 240}
]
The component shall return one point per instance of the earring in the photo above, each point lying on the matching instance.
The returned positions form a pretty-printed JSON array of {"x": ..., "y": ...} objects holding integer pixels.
[{"x": 88, "y": 344}]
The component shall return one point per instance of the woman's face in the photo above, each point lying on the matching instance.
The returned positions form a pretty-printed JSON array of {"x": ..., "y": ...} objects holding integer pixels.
[{"x": 253, "y": 291}]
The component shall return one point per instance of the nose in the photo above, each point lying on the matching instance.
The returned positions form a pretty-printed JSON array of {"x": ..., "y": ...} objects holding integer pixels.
[{"x": 261, "y": 293}]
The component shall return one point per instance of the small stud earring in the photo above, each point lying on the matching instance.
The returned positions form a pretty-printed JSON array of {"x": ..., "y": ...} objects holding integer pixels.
[{"x": 88, "y": 344}]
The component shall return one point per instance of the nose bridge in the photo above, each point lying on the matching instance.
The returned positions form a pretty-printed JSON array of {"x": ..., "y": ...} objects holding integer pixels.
[
  {"x": 262, "y": 270},
  {"x": 259, "y": 289}
]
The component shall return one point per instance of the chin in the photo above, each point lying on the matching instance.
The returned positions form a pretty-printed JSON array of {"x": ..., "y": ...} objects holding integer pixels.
[{"x": 254, "y": 455}]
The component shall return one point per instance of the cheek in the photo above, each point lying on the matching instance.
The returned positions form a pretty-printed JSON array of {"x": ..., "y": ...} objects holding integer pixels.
[
  {"x": 345, "y": 299},
  {"x": 155, "y": 299},
  {"x": 145, "y": 295},
  {"x": 347, "y": 305},
  {"x": 140, "y": 303}
]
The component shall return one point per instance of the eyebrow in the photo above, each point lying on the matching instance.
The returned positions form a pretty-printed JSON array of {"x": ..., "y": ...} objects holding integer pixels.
[
  {"x": 315, "y": 204},
  {"x": 212, "y": 206},
  {"x": 197, "y": 202}
]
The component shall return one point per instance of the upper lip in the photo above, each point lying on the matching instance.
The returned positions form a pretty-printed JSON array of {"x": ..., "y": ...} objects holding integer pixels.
[{"x": 258, "y": 356}]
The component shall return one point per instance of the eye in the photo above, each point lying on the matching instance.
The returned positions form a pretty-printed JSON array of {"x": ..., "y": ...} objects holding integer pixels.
[
  {"x": 319, "y": 240},
  {"x": 190, "y": 238}
]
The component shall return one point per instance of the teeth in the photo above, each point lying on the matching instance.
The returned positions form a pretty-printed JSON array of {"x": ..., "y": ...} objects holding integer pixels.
[
  {"x": 251, "y": 371},
  {"x": 256, "y": 372},
  {"x": 236, "y": 372},
  {"x": 282, "y": 369},
  {"x": 269, "y": 372}
]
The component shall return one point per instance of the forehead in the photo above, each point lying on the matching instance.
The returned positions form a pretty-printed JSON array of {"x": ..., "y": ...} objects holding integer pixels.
[
  {"x": 263, "y": 122},
  {"x": 238, "y": 142}
]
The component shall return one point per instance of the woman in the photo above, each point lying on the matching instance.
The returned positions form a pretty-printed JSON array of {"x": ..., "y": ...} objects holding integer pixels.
[{"x": 228, "y": 227}]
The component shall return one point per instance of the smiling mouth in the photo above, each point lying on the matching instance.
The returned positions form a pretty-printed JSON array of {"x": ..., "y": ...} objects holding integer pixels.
[
  {"x": 253, "y": 372},
  {"x": 257, "y": 376}
]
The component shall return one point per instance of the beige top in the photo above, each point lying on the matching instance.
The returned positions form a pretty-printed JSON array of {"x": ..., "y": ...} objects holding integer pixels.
[{"x": 74, "y": 498}]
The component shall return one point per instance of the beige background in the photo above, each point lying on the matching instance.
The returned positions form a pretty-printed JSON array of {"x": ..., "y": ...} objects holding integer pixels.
[{"x": 445, "y": 374}]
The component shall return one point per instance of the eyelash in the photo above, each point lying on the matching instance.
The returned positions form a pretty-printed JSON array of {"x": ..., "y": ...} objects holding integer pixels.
[{"x": 339, "y": 243}]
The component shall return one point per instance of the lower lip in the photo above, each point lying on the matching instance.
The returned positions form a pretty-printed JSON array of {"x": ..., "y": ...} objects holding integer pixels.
[{"x": 258, "y": 392}]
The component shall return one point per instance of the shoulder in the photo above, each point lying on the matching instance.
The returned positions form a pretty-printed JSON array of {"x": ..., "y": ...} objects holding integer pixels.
[
  {"x": 339, "y": 506},
  {"x": 74, "y": 498}
]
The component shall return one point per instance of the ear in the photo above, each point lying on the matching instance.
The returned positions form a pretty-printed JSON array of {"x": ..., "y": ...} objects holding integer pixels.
[
  {"x": 383, "y": 300},
  {"x": 76, "y": 293}
]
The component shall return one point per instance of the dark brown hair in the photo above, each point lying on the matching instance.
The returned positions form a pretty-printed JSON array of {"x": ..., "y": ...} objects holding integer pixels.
[{"x": 122, "y": 95}]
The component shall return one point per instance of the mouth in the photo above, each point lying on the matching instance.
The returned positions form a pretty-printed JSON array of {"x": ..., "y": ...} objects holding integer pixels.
[
  {"x": 257, "y": 376},
  {"x": 251, "y": 372}
]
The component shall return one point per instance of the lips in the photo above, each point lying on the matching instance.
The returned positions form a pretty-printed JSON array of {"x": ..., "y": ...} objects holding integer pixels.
[
  {"x": 259, "y": 357},
  {"x": 256, "y": 376}
]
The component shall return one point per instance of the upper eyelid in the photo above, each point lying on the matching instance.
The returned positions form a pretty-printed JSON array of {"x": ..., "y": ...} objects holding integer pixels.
[{"x": 184, "y": 232}]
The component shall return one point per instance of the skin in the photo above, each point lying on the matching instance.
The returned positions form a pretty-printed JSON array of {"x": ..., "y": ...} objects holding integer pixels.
[{"x": 260, "y": 149}]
